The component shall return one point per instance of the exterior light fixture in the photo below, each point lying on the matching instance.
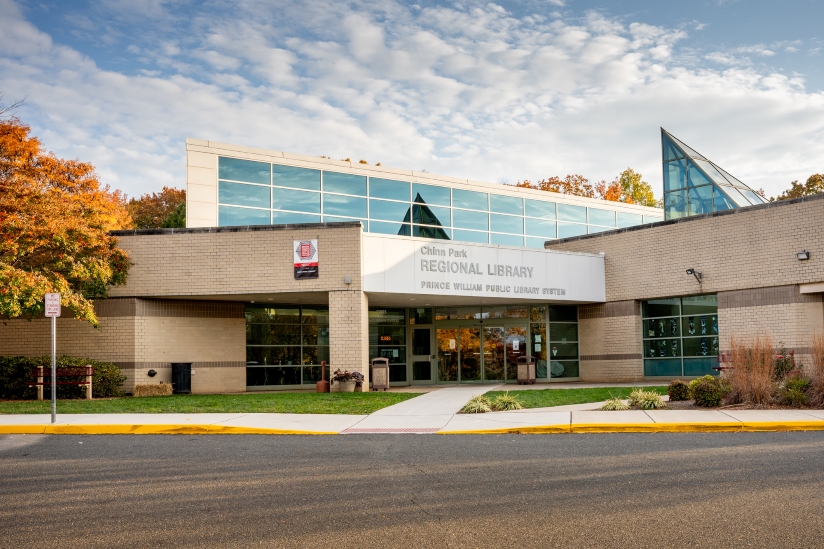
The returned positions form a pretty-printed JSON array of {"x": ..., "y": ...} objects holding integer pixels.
[
  {"x": 152, "y": 373},
  {"x": 347, "y": 279},
  {"x": 803, "y": 255},
  {"x": 697, "y": 274}
]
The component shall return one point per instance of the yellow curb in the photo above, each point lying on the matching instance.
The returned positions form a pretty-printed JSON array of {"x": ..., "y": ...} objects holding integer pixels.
[
  {"x": 724, "y": 427},
  {"x": 530, "y": 430},
  {"x": 754, "y": 426},
  {"x": 149, "y": 429}
]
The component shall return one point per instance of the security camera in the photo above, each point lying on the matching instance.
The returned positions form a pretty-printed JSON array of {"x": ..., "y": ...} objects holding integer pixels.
[
  {"x": 690, "y": 271},
  {"x": 696, "y": 274}
]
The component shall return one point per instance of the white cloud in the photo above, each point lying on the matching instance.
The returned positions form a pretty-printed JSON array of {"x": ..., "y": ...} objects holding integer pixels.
[{"x": 468, "y": 91}]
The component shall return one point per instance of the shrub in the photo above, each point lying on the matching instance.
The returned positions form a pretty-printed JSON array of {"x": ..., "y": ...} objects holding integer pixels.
[
  {"x": 752, "y": 377},
  {"x": 477, "y": 405},
  {"x": 784, "y": 362},
  {"x": 152, "y": 389},
  {"x": 694, "y": 383},
  {"x": 646, "y": 400},
  {"x": 14, "y": 373},
  {"x": 505, "y": 402},
  {"x": 614, "y": 403},
  {"x": 678, "y": 390},
  {"x": 794, "y": 391},
  {"x": 710, "y": 392}
]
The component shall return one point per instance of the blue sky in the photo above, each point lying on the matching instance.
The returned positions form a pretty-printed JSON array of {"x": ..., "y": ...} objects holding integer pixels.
[{"x": 496, "y": 92}]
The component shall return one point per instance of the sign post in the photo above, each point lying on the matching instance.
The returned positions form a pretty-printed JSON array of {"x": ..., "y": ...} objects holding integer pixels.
[{"x": 53, "y": 311}]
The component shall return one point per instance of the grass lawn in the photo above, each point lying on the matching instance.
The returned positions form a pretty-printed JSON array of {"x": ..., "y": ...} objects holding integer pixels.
[
  {"x": 287, "y": 403},
  {"x": 558, "y": 397}
]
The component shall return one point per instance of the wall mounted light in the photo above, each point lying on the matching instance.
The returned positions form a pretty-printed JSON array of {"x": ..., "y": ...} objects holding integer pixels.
[
  {"x": 151, "y": 373},
  {"x": 803, "y": 255},
  {"x": 697, "y": 274},
  {"x": 347, "y": 279}
]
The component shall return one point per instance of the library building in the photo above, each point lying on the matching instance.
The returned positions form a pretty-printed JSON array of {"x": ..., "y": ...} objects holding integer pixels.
[{"x": 290, "y": 261}]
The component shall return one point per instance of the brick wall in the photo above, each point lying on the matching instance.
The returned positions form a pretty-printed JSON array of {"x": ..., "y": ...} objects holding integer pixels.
[{"x": 349, "y": 332}]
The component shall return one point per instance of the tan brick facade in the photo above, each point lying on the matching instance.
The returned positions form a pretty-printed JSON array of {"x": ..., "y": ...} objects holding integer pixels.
[{"x": 746, "y": 256}]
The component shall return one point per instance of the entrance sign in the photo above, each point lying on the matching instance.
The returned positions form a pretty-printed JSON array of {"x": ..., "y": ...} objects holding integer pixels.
[
  {"x": 52, "y": 302},
  {"x": 403, "y": 265},
  {"x": 306, "y": 258}
]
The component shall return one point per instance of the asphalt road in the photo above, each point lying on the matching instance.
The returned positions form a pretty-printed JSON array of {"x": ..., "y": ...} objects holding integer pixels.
[{"x": 621, "y": 490}]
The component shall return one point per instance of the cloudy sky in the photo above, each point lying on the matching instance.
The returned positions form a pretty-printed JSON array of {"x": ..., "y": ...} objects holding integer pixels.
[{"x": 498, "y": 92}]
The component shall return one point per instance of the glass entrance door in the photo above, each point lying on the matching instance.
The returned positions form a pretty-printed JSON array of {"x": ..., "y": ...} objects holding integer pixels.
[
  {"x": 494, "y": 354},
  {"x": 447, "y": 355},
  {"x": 471, "y": 361},
  {"x": 515, "y": 347},
  {"x": 421, "y": 356}
]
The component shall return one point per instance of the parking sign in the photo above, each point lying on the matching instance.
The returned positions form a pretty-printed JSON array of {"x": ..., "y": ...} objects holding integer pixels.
[{"x": 52, "y": 305}]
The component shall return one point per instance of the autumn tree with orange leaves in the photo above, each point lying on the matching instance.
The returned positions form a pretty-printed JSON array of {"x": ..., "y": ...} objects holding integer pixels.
[
  {"x": 166, "y": 209},
  {"x": 55, "y": 219},
  {"x": 628, "y": 187}
]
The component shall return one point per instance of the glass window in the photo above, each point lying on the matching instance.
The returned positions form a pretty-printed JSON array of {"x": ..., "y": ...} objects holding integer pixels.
[
  {"x": 592, "y": 229},
  {"x": 289, "y": 218},
  {"x": 420, "y": 316},
  {"x": 701, "y": 346},
  {"x": 387, "y": 335},
  {"x": 457, "y": 313},
  {"x": 506, "y": 223},
  {"x": 506, "y": 204},
  {"x": 243, "y": 170},
  {"x": 314, "y": 314},
  {"x": 430, "y": 215},
  {"x": 563, "y": 313},
  {"x": 272, "y": 334},
  {"x": 601, "y": 217},
  {"x": 721, "y": 202},
  {"x": 430, "y": 194},
  {"x": 439, "y": 233},
  {"x": 299, "y": 201},
  {"x": 504, "y": 311},
  {"x": 229, "y": 216},
  {"x": 689, "y": 328},
  {"x": 316, "y": 335},
  {"x": 344, "y": 183},
  {"x": 272, "y": 315},
  {"x": 471, "y": 236},
  {"x": 563, "y": 368},
  {"x": 563, "y": 331},
  {"x": 239, "y": 194},
  {"x": 537, "y": 243},
  {"x": 388, "y": 188},
  {"x": 470, "y": 200},
  {"x": 652, "y": 219},
  {"x": 562, "y": 351},
  {"x": 664, "y": 368},
  {"x": 662, "y": 307},
  {"x": 541, "y": 227},
  {"x": 537, "y": 313},
  {"x": 628, "y": 219},
  {"x": 697, "y": 178},
  {"x": 752, "y": 196},
  {"x": 567, "y": 230},
  {"x": 699, "y": 366},
  {"x": 335, "y": 204},
  {"x": 464, "y": 219},
  {"x": 675, "y": 204},
  {"x": 670, "y": 150},
  {"x": 295, "y": 178},
  {"x": 336, "y": 219},
  {"x": 506, "y": 239},
  {"x": 736, "y": 196},
  {"x": 399, "y": 229},
  {"x": 539, "y": 208},
  {"x": 387, "y": 317},
  {"x": 258, "y": 377},
  {"x": 389, "y": 211},
  {"x": 568, "y": 212},
  {"x": 700, "y": 200},
  {"x": 710, "y": 170},
  {"x": 700, "y": 304},
  {"x": 675, "y": 175}
]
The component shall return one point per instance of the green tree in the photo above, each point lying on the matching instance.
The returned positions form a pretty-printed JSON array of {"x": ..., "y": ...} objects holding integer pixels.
[
  {"x": 176, "y": 219},
  {"x": 814, "y": 185}
]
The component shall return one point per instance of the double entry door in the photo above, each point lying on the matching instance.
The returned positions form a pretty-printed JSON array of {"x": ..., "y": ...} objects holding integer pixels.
[{"x": 478, "y": 354}]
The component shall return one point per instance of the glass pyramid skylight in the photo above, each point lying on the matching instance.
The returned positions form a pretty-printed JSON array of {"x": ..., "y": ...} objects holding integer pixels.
[{"x": 694, "y": 185}]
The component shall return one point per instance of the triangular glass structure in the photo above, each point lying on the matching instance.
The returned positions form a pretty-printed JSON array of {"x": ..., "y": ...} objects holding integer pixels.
[
  {"x": 423, "y": 214},
  {"x": 694, "y": 185}
]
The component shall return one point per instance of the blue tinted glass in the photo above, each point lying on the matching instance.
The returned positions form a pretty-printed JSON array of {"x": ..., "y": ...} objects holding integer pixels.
[
  {"x": 431, "y": 215},
  {"x": 670, "y": 150},
  {"x": 387, "y": 188},
  {"x": 752, "y": 196},
  {"x": 335, "y": 204},
  {"x": 697, "y": 178},
  {"x": 295, "y": 178},
  {"x": 675, "y": 175},
  {"x": 470, "y": 236},
  {"x": 285, "y": 218},
  {"x": 469, "y": 199},
  {"x": 243, "y": 195},
  {"x": 506, "y": 224},
  {"x": 537, "y": 208},
  {"x": 700, "y": 366},
  {"x": 567, "y": 212},
  {"x": 601, "y": 217},
  {"x": 470, "y": 220},
  {"x": 227, "y": 216},
  {"x": 506, "y": 204},
  {"x": 675, "y": 204},
  {"x": 389, "y": 211},
  {"x": 540, "y": 227},
  {"x": 345, "y": 183},
  {"x": 737, "y": 197},
  {"x": 430, "y": 194},
  {"x": 506, "y": 239},
  {"x": 432, "y": 232},
  {"x": 700, "y": 200},
  {"x": 532, "y": 242},
  {"x": 381, "y": 227},
  {"x": 652, "y": 219},
  {"x": 592, "y": 229},
  {"x": 300, "y": 201},
  {"x": 710, "y": 170},
  {"x": 665, "y": 367},
  {"x": 628, "y": 219},
  {"x": 721, "y": 202},
  {"x": 341, "y": 219},
  {"x": 566, "y": 230},
  {"x": 243, "y": 170}
]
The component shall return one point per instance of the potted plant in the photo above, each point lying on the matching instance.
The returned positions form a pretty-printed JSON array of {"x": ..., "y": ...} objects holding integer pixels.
[{"x": 346, "y": 381}]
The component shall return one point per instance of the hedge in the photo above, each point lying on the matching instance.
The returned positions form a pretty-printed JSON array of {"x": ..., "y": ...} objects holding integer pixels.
[{"x": 14, "y": 373}]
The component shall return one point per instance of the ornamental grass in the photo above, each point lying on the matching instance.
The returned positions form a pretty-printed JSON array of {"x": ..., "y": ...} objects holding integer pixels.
[
  {"x": 816, "y": 389},
  {"x": 752, "y": 377}
]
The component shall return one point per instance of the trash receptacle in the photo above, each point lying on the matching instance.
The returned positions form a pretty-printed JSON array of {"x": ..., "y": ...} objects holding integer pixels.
[
  {"x": 380, "y": 374},
  {"x": 181, "y": 378},
  {"x": 526, "y": 370}
]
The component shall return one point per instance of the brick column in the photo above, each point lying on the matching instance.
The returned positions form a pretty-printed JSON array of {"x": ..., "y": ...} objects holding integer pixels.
[
  {"x": 609, "y": 336},
  {"x": 349, "y": 332}
]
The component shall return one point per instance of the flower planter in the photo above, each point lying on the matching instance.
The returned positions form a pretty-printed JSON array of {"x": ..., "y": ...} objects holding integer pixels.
[{"x": 343, "y": 387}]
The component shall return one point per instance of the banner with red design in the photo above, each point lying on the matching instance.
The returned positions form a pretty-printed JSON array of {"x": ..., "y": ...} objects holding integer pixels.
[{"x": 306, "y": 259}]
